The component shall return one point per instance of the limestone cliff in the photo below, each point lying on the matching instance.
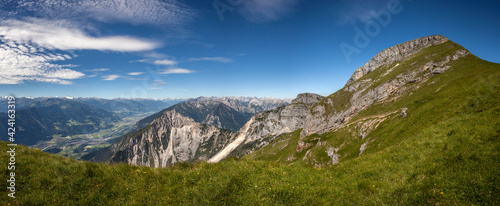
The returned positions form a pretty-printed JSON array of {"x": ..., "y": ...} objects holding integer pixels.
[
  {"x": 395, "y": 54},
  {"x": 264, "y": 127},
  {"x": 170, "y": 138}
]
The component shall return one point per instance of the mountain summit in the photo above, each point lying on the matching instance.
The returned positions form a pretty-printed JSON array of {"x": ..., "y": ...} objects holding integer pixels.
[{"x": 400, "y": 87}]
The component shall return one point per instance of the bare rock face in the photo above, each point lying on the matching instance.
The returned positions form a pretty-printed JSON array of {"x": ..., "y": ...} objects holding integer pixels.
[
  {"x": 264, "y": 127},
  {"x": 170, "y": 138},
  {"x": 395, "y": 54},
  {"x": 307, "y": 98}
]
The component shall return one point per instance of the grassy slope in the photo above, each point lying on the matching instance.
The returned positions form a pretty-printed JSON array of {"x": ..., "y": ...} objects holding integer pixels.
[{"x": 446, "y": 151}]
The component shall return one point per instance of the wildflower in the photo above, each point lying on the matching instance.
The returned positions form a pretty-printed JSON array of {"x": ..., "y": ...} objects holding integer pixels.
[
  {"x": 144, "y": 172},
  {"x": 97, "y": 185},
  {"x": 293, "y": 187},
  {"x": 373, "y": 185},
  {"x": 441, "y": 192}
]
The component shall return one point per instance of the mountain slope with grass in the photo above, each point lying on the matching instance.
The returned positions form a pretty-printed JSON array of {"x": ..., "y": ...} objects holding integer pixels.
[
  {"x": 422, "y": 130},
  {"x": 442, "y": 98}
]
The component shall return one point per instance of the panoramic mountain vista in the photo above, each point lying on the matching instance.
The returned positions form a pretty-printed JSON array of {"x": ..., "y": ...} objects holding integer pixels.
[
  {"x": 421, "y": 125},
  {"x": 319, "y": 130},
  {"x": 254, "y": 102}
]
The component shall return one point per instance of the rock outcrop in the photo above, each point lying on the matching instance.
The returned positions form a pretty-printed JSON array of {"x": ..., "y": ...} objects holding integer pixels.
[
  {"x": 395, "y": 54},
  {"x": 170, "y": 138},
  {"x": 264, "y": 127}
]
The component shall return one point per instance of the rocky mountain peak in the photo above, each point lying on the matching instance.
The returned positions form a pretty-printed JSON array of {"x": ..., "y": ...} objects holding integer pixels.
[
  {"x": 395, "y": 54},
  {"x": 172, "y": 118},
  {"x": 307, "y": 98}
]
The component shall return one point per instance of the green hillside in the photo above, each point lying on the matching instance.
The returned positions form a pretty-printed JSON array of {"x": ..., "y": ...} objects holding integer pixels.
[{"x": 454, "y": 112}]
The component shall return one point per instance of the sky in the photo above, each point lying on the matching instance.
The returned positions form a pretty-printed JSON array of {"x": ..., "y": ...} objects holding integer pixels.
[{"x": 186, "y": 49}]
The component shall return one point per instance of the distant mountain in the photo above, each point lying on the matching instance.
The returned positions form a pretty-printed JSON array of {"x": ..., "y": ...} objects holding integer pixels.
[
  {"x": 125, "y": 107},
  {"x": 21, "y": 102},
  {"x": 238, "y": 111},
  {"x": 43, "y": 119},
  {"x": 226, "y": 117}
]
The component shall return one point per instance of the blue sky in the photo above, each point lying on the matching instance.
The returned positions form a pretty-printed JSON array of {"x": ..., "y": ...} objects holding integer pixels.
[{"x": 183, "y": 49}]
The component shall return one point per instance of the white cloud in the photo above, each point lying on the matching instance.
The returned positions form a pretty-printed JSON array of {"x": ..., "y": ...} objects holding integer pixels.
[
  {"x": 153, "y": 12},
  {"x": 98, "y": 70},
  {"x": 135, "y": 73},
  {"x": 261, "y": 11},
  {"x": 176, "y": 71},
  {"x": 50, "y": 36},
  {"x": 140, "y": 60},
  {"x": 111, "y": 77},
  {"x": 20, "y": 63},
  {"x": 165, "y": 62},
  {"x": 214, "y": 59}
]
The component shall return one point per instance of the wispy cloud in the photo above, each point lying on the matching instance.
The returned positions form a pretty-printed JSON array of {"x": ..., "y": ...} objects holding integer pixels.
[
  {"x": 176, "y": 71},
  {"x": 98, "y": 70},
  {"x": 165, "y": 62},
  {"x": 111, "y": 77},
  {"x": 354, "y": 11},
  {"x": 154, "y": 12},
  {"x": 135, "y": 73},
  {"x": 261, "y": 11},
  {"x": 30, "y": 49},
  {"x": 50, "y": 36},
  {"x": 24, "y": 62},
  {"x": 214, "y": 59}
]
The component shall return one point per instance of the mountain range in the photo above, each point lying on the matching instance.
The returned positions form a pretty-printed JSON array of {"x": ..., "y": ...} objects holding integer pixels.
[
  {"x": 416, "y": 125},
  {"x": 219, "y": 115},
  {"x": 313, "y": 129}
]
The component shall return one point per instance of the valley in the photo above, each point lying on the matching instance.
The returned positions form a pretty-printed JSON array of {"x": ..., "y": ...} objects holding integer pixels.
[{"x": 76, "y": 146}]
